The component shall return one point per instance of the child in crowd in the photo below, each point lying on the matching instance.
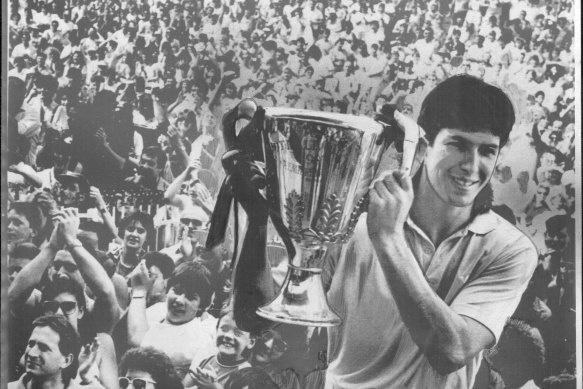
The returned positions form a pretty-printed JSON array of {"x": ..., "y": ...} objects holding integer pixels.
[{"x": 233, "y": 346}]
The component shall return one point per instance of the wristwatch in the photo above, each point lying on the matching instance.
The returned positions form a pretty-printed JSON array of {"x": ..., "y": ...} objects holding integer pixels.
[
  {"x": 72, "y": 245},
  {"x": 138, "y": 295}
]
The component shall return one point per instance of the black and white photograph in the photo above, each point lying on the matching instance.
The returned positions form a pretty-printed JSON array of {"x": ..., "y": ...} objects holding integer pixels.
[{"x": 291, "y": 194}]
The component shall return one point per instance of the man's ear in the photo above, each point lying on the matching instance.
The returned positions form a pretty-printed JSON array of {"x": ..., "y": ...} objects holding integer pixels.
[
  {"x": 80, "y": 313},
  {"x": 67, "y": 361},
  {"x": 252, "y": 340}
]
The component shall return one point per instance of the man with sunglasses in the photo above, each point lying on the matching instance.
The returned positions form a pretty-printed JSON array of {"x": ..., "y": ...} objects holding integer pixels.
[
  {"x": 147, "y": 368},
  {"x": 74, "y": 266},
  {"x": 64, "y": 297}
]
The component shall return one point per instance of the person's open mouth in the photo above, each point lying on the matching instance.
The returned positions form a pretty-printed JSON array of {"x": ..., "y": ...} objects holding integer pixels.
[{"x": 462, "y": 182}]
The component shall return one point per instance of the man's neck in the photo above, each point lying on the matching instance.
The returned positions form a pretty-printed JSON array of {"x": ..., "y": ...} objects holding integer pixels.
[
  {"x": 52, "y": 382},
  {"x": 433, "y": 215}
]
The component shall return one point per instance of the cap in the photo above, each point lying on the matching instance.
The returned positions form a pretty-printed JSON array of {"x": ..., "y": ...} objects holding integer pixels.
[{"x": 73, "y": 177}]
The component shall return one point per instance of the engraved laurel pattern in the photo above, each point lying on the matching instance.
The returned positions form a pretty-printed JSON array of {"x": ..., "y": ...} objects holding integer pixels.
[{"x": 328, "y": 221}]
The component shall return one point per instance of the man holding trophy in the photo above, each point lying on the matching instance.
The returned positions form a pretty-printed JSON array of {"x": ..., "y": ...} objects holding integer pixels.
[
  {"x": 416, "y": 289},
  {"x": 430, "y": 277}
]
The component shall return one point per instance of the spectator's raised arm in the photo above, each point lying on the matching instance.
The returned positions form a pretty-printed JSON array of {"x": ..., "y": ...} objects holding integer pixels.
[
  {"x": 31, "y": 275},
  {"x": 136, "y": 316},
  {"x": 92, "y": 272},
  {"x": 173, "y": 195}
]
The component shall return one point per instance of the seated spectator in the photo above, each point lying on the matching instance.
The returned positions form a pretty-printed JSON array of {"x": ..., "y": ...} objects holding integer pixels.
[
  {"x": 146, "y": 368},
  {"x": 233, "y": 346}
]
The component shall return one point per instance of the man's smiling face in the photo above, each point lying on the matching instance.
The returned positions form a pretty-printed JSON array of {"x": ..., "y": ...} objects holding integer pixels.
[
  {"x": 459, "y": 164},
  {"x": 43, "y": 357}
]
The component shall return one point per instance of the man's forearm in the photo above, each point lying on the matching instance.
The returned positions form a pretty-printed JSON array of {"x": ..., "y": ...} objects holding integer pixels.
[
  {"x": 442, "y": 334},
  {"x": 119, "y": 159},
  {"x": 137, "y": 319},
  {"x": 31, "y": 275},
  {"x": 100, "y": 284}
]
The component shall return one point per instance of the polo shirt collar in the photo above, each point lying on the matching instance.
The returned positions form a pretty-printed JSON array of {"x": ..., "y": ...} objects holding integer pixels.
[{"x": 483, "y": 223}]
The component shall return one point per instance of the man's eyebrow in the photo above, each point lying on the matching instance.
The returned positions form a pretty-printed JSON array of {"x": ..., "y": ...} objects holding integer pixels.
[{"x": 464, "y": 140}]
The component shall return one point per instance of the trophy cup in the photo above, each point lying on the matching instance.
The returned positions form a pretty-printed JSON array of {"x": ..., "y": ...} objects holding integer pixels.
[{"x": 319, "y": 167}]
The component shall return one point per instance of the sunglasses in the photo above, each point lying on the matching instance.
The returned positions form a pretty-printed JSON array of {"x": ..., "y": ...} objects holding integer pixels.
[
  {"x": 137, "y": 383},
  {"x": 191, "y": 222},
  {"x": 278, "y": 345},
  {"x": 52, "y": 307},
  {"x": 69, "y": 267}
]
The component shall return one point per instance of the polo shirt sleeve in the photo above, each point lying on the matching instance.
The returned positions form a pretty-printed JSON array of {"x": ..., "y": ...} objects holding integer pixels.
[{"x": 492, "y": 296}]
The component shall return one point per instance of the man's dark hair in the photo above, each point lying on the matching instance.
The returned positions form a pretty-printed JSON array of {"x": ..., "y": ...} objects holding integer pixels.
[
  {"x": 68, "y": 341},
  {"x": 467, "y": 103},
  {"x": 194, "y": 278},
  {"x": 138, "y": 216},
  {"x": 156, "y": 152},
  {"x": 65, "y": 285},
  {"x": 30, "y": 211},
  {"x": 161, "y": 261},
  {"x": 251, "y": 378},
  {"x": 25, "y": 250},
  {"x": 519, "y": 338},
  {"x": 506, "y": 212},
  {"x": 154, "y": 362},
  {"x": 556, "y": 223}
]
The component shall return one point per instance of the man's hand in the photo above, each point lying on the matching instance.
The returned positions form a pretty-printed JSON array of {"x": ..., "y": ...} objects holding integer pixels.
[
  {"x": 140, "y": 278},
  {"x": 186, "y": 246},
  {"x": 194, "y": 165},
  {"x": 68, "y": 225},
  {"x": 88, "y": 358},
  {"x": 172, "y": 132},
  {"x": 390, "y": 201},
  {"x": 203, "y": 197},
  {"x": 46, "y": 201},
  {"x": 101, "y": 136},
  {"x": 95, "y": 194},
  {"x": 54, "y": 241}
]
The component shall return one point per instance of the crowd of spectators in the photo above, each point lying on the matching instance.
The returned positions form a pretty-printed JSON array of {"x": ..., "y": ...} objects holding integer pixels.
[{"x": 115, "y": 163}]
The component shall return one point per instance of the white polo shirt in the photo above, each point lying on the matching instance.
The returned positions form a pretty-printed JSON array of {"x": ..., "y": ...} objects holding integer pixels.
[{"x": 480, "y": 271}]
